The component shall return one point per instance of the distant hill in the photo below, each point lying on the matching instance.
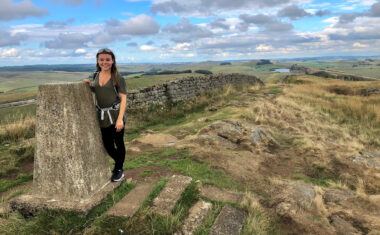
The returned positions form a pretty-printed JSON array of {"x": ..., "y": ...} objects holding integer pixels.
[{"x": 55, "y": 67}]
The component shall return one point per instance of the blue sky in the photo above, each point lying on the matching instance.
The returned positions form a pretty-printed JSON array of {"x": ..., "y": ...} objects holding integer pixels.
[{"x": 71, "y": 31}]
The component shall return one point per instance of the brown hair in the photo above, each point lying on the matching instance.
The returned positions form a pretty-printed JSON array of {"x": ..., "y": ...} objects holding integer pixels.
[{"x": 114, "y": 71}]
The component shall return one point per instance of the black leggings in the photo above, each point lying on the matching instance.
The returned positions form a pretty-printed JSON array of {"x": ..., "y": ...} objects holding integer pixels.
[{"x": 110, "y": 139}]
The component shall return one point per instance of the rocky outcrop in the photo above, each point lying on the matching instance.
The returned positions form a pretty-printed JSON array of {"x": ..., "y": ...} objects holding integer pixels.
[{"x": 231, "y": 134}]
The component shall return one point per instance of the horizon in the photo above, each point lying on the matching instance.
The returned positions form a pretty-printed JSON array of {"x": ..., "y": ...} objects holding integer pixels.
[
  {"x": 178, "y": 31},
  {"x": 216, "y": 61}
]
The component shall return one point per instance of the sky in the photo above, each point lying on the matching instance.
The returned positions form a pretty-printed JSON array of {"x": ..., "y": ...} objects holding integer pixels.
[{"x": 161, "y": 31}]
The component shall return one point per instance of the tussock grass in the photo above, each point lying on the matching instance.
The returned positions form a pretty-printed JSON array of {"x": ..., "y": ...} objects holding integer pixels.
[
  {"x": 258, "y": 221},
  {"x": 341, "y": 101},
  {"x": 23, "y": 129}
]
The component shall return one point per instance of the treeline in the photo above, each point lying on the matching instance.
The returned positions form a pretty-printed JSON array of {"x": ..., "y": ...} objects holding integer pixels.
[{"x": 167, "y": 72}]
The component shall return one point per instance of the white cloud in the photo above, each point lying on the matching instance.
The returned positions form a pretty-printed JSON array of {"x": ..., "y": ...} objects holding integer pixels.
[
  {"x": 10, "y": 10},
  {"x": 80, "y": 51},
  {"x": 148, "y": 48},
  {"x": 263, "y": 47},
  {"x": 358, "y": 44},
  {"x": 12, "y": 52}
]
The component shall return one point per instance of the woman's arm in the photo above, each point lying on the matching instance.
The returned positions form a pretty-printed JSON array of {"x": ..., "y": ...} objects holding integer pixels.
[{"x": 123, "y": 104}]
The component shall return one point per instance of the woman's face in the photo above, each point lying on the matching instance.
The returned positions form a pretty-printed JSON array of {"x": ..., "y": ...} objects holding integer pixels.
[{"x": 105, "y": 61}]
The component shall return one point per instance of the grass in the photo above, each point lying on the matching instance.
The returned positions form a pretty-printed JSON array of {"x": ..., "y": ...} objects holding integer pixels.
[
  {"x": 17, "y": 113},
  {"x": 145, "y": 221},
  {"x": 209, "y": 219},
  {"x": 17, "y": 96},
  {"x": 181, "y": 161},
  {"x": 13, "y": 156},
  {"x": 58, "y": 221},
  {"x": 323, "y": 181},
  {"x": 31, "y": 80},
  {"x": 258, "y": 221},
  {"x": 13, "y": 132},
  {"x": 14, "y": 194},
  {"x": 7, "y": 184},
  {"x": 360, "y": 114}
]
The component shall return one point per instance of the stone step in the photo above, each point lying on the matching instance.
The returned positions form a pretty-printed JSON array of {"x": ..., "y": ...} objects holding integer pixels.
[
  {"x": 195, "y": 218},
  {"x": 128, "y": 206},
  {"x": 218, "y": 194},
  {"x": 165, "y": 201},
  {"x": 230, "y": 221}
]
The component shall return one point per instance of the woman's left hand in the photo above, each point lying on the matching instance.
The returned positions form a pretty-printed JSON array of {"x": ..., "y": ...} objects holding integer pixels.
[{"x": 119, "y": 125}]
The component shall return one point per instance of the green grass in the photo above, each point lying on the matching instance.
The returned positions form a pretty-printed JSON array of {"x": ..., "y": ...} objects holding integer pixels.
[
  {"x": 210, "y": 218},
  {"x": 146, "y": 173},
  {"x": 17, "y": 96},
  {"x": 26, "y": 81},
  {"x": 323, "y": 181},
  {"x": 145, "y": 221},
  {"x": 156, "y": 190},
  {"x": 61, "y": 222},
  {"x": 7, "y": 184},
  {"x": 15, "y": 193}
]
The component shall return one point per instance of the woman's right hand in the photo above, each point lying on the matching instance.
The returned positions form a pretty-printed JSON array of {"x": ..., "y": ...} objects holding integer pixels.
[{"x": 88, "y": 81}]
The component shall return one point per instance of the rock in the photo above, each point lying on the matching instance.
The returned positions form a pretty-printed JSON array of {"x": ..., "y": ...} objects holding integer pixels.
[
  {"x": 336, "y": 195},
  {"x": 369, "y": 91},
  {"x": 365, "y": 161},
  {"x": 369, "y": 154},
  {"x": 228, "y": 129},
  {"x": 261, "y": 138},
  {"x": 286, "y": 209},
  {"x": 165, "y": 201},
  {"x": 342, "y": 226},
  {"x": 129, "y": 204},
  {"x": 195, "y": 217},
  {"x": 230, "y": 221},
  {"x": 302, "y": 194},
  {"x": 5, "y": 209},
  {"x": 216, "y": 140}
]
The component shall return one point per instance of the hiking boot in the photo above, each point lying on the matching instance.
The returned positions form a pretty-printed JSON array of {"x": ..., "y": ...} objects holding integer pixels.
[{"x": 117, "y": 175}]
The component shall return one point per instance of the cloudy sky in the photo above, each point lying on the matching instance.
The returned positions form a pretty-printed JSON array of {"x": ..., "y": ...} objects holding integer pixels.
[{"x": 71, "y": 31}]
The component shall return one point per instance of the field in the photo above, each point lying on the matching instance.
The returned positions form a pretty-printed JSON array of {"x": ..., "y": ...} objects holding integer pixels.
[{"x": 319, "y": 134}]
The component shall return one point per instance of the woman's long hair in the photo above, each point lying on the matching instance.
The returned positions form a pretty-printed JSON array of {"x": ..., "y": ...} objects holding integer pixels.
[{"x": 114, "y": 71}]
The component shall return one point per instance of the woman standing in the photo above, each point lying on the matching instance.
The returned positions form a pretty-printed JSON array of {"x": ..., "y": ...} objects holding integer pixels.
[{"x": 111, "y": 99}]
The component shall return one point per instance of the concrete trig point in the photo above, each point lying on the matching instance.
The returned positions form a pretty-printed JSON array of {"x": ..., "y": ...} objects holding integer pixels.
[{"x": 71, "y": 168}]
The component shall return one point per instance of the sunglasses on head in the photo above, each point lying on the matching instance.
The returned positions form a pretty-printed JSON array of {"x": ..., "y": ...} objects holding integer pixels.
[{"x": 105, "y": 50}]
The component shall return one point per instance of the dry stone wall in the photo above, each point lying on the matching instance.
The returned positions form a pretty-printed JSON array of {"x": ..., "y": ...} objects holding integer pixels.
[{"x": 186, "y": 88}]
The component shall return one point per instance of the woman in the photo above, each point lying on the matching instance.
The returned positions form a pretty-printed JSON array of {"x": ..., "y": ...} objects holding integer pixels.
[{"x": 111, "y": 99}]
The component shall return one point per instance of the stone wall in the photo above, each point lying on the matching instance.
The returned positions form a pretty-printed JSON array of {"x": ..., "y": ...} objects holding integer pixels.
[{"x": 186, "y": 88}]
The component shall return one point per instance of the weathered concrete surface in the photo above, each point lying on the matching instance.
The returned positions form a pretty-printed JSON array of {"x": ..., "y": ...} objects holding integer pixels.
[
  {"x": 218, "y": 194},
  {"x": 230, "y": 221},
  {"x": 165, "y": 201},
  {"x": 70, "y": 163},
  {"x": 30, "y": 204},
  {"x": 196, "y": 214},
  {"x": 128, "y": 206}
]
